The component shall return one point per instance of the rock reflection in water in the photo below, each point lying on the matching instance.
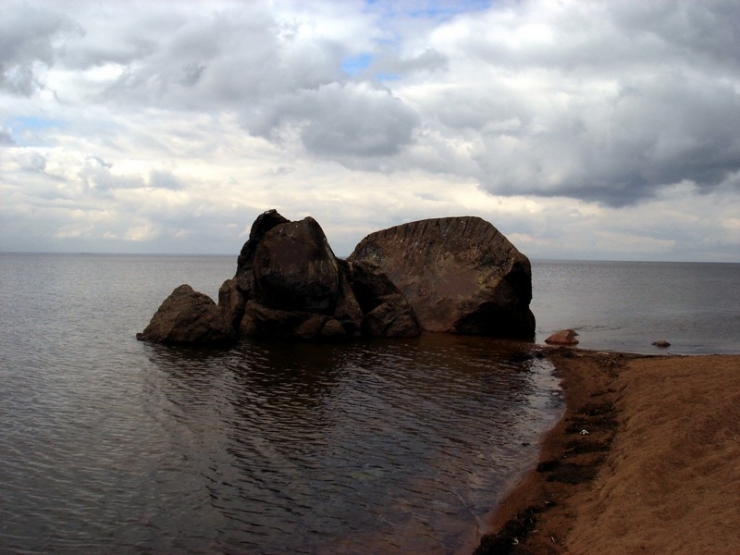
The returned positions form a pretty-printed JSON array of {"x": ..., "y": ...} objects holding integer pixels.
[{"x": 372, "y": 447}]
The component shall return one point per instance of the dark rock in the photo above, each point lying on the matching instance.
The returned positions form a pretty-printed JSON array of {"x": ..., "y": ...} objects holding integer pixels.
[
  {"x": 293, "y": 282},
  {"x": 459, "y": 275},
  {"x": 260, "y": 320},
  {"x": 507, "y": 540},
  {"x": 548, "y": 466},
  {"x": 232, "y": 301},
  {"x": 662, "y": 343},
  {"x": 294, "y": 287},
  {"x": 387, "y": 312},
  {"x": 451, "y": 274},
  {"x": 187, "y": 317},
  {"x": 294, "y": 268},
  {"x": 563, "y": 337},
  {"x": 333, "y": 328},
  {"x": 598, "y": 409},
  {"x": 264, "y": 223}
]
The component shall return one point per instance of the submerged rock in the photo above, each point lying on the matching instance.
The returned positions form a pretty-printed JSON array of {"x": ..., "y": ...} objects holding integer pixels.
[
  {"x": 187, "y": 317},
  {"x": 459, "y": 275}
]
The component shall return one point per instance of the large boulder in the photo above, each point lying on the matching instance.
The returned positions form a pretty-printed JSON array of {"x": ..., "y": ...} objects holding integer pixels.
[
  {"x": 295, "y": 269},
  {"x": 187, "y": 317},
  {"x": 290, "y": 284},
  {"x": 459, "y": 275}
]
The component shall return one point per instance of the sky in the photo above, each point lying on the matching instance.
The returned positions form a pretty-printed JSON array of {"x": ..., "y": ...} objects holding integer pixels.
[{"x": 605, "y": 130}]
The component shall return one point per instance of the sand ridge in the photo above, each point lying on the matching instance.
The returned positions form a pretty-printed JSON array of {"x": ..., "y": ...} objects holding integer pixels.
[{"x": 645, "y": 460}]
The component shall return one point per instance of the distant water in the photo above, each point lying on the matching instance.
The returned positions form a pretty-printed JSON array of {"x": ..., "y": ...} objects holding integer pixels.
[
  {"x": 110, "y": 445},
  {"x": 625, "y": 306}
]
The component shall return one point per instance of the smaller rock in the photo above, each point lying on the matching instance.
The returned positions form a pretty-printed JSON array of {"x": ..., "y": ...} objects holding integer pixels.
[
  {"x": 188, "y": 317},
  {"x": 662, "y": 343},
  {"x": 563, "y": 337}
]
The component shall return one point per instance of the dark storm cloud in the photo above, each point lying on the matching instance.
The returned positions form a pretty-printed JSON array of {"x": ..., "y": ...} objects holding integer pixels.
[{"x": 663, "y": 132}]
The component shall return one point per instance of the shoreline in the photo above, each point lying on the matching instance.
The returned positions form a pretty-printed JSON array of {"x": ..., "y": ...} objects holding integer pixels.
[{"x": 645, "y": 459}]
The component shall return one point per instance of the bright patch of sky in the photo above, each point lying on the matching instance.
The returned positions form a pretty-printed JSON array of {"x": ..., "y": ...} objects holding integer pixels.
[
  {"x": 430, "y": 9},
  {"x": 357, "y": 64},
  {"x": 29, "y": 131},
  {"x": 33, "y": 123}
]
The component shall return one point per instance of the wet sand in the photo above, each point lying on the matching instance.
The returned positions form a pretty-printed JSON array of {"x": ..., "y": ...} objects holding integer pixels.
[{"x": 645, "y": 460}]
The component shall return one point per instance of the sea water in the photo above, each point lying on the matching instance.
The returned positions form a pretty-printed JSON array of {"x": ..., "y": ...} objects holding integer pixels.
[
  {"x": 403, "y": 446},
  {"x": 626, "y": 306}
]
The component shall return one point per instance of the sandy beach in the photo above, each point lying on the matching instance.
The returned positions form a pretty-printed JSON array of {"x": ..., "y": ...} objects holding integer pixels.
[{"x": 645, "y": 460}]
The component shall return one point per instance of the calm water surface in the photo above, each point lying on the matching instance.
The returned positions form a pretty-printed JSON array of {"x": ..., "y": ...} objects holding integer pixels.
[
  {"x": 625, "y": 306},
  {"x": 116, "y": 446},
  {"x": 112, "y": 445}
]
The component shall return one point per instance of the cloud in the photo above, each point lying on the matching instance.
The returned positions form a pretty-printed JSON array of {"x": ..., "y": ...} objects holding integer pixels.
[
  {"x": 156, "y": 121},
  {"x": 588, "y": 100},
  {"x": 6, "y": 138},
  {"x": 164, "y": 180},
  {"x": 31, "y": 161},
  {"x": 26, "y": 41},
  {"x": 619, "y": 148},
  {"x": 337, "y": 121},
  {"x": 98, "y": 176},
  {"x": 229, "y": 59}
]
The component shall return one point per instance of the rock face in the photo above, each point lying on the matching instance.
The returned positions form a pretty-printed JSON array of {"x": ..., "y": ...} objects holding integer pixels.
[
  {"x": 460, "y": 275},
  {"x": 187, "y": 317},
  {"x": 289, "y": 284},
  {"x": 387, "y": 312}
]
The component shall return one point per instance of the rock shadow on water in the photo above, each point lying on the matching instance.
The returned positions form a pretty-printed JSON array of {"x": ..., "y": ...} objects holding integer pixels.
[{"x": 396, "y": 441}]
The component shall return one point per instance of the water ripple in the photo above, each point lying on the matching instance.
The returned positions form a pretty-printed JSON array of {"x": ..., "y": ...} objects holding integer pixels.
[{"x": 111, "y": 445}]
